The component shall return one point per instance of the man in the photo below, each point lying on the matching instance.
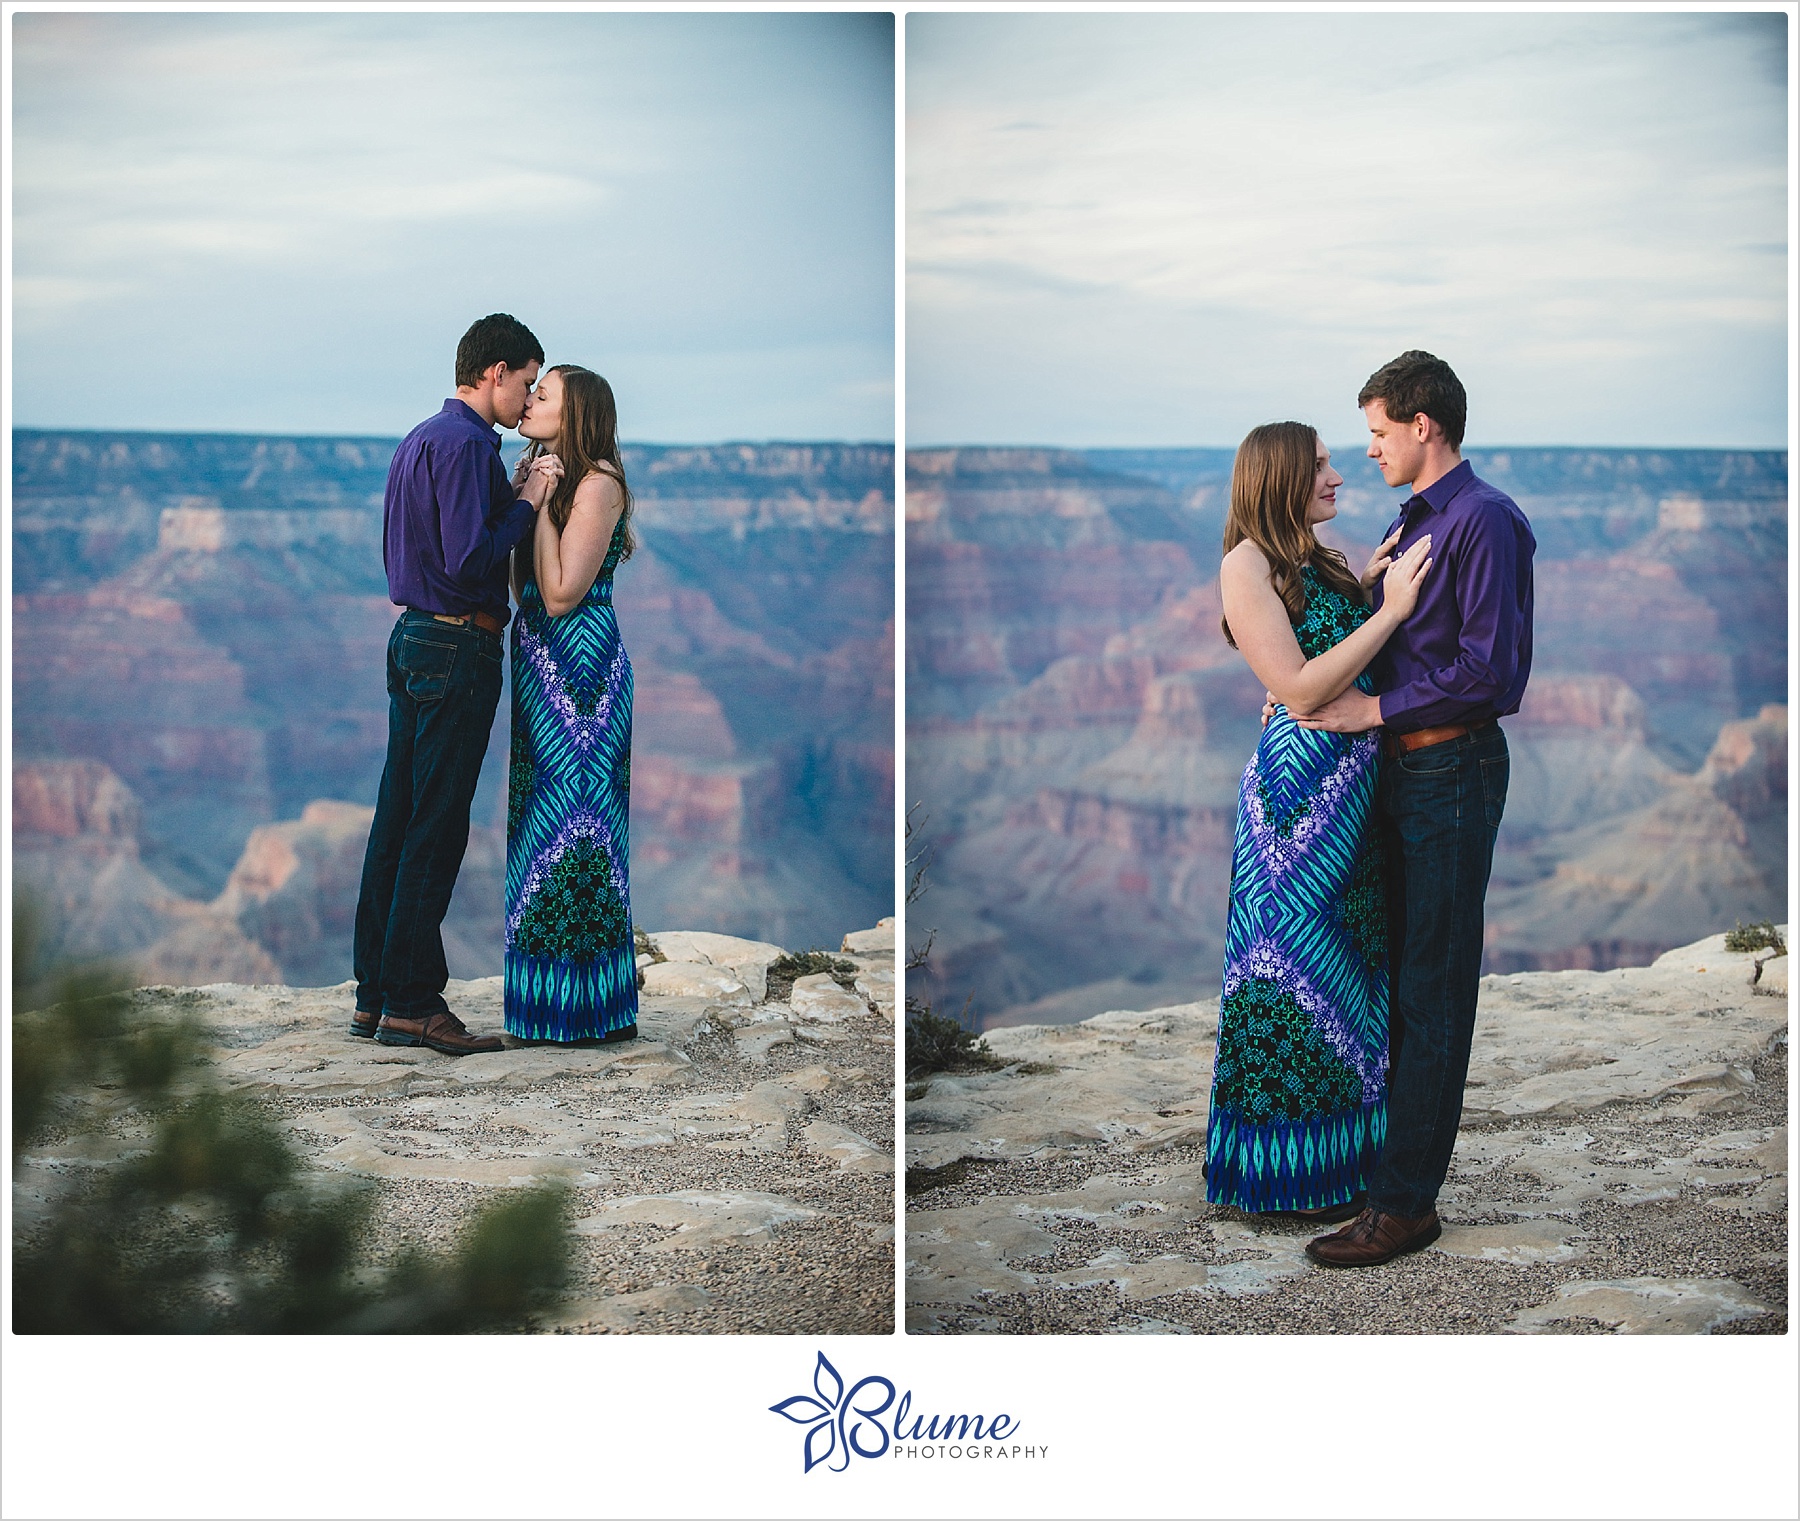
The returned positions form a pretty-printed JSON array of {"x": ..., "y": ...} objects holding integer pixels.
[
  {"x": 1455, "y": 666},
  {"x": 451, "y": 521}
]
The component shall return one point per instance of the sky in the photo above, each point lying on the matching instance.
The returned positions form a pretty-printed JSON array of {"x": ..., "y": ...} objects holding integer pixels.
[
  {"x": 1159, "y": 230},
  {"x": 284, "y": 222}
]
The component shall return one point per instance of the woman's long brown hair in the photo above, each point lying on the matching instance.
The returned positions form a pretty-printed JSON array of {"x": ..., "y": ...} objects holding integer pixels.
[
  {"x": 587, "y": 441},
  {"x": 1271, "y": 488}
]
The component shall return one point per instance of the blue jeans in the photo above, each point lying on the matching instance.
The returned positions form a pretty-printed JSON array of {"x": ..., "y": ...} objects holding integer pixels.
[
  {"x": 1439, "y": 809},
  {"x": 443, "y": 686}
]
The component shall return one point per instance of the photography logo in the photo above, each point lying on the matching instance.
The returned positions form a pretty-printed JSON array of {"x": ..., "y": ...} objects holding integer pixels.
[{"x": 842, "y": 1423}]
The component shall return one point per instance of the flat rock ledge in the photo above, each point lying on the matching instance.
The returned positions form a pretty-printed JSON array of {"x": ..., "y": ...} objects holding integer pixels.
[
  {"x": 1622, "y": 1169},
  {"x": 732, "y": 1166}
]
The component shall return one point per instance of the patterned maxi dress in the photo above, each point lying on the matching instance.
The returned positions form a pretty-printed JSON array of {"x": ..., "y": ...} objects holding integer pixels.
[
  {"x": 571, "y": 971},
  {"x": 1299, "y": 1098}
]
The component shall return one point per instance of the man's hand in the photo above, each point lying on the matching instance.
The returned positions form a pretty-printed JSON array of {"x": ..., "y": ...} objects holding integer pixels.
[{"x": 1350, "y": 712}]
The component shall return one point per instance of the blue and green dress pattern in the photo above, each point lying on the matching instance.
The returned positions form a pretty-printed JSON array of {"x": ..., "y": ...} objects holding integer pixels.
[
  {"x": 571, "y": 968},
  {"x": 1299, "y": 1097}
]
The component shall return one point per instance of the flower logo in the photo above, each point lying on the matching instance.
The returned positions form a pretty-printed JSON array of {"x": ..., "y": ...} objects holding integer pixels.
[{"x": 839, "y": 1420}]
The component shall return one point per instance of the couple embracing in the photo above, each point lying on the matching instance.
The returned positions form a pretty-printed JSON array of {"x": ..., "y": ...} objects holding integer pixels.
[
  {"x": 459, "y": 532},
  {"x": 1366, "y": 819}
]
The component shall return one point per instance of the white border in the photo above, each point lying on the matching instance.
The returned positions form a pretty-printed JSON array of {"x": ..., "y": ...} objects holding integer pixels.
[{"x": 899, "y": 489}]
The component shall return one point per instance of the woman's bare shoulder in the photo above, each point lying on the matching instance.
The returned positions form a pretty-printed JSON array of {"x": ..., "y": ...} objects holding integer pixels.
[
  {"x": 601, "y": 488},
  {"x": 1244, "y": 562}
]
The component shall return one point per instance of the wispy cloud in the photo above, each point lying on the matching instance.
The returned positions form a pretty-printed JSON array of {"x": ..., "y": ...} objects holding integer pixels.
[
  {"x": 1578, "y": 207},
  {"x": 257, "y": 198}
]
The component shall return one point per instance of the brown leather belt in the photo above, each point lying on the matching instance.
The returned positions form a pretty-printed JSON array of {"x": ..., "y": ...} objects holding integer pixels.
[
  {"x": 486, "y": 621},
  {"x": 1393, "y": 744}
]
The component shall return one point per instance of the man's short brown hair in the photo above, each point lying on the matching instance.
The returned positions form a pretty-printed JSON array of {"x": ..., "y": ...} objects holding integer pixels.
[
  {"x": 499, "y": 339},
  {"x": 1419, "y": 382}
]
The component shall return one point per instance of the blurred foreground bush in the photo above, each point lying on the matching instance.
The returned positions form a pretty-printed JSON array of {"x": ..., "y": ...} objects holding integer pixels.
[{"x": 188, "y": 1210}]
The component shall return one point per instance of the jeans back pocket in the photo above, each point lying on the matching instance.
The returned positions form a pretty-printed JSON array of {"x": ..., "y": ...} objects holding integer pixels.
[
  {"x": 426, "y": 664},
  {"x": 1494, "y": 775}
]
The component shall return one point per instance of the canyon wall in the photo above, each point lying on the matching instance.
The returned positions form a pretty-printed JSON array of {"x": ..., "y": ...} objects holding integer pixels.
[
  {"x": 1077, "y": 724},
  {"x": 200, "y": 623}
]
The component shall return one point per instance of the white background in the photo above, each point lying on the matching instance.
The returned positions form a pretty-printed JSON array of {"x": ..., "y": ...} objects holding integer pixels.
[{"x": 668, "y": 1426}]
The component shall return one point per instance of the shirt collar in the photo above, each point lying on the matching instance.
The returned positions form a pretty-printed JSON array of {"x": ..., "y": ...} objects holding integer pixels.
[
  {"x": 1441, "y": 492},
  {"x": 457, "y": 407}
]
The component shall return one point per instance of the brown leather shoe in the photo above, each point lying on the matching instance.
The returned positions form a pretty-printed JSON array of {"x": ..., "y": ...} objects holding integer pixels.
[
  {"x": 1373, "y": 1237},
  {"x": 442, "y": 1032},
  {"x": 364, "y": 1024}
]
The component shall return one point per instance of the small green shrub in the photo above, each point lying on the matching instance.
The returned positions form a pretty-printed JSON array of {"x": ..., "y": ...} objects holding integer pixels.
[
  {"x": 933, "y": 1042},
  {"x": 1755, "y": 937},
  {"x": 789, "y": 968},
  {"x": 937, "y": 1044}
]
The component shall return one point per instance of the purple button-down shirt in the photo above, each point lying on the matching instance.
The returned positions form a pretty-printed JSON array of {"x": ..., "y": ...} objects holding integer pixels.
[
  {"x": 451, "y": 517},
  {"x": 1465, "y": 653}
]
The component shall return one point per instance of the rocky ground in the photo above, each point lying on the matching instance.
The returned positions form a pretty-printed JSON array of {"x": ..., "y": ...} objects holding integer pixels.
[
  {"x": 731, "y": 1166},
  {"x": 1622, "y": 1167}
]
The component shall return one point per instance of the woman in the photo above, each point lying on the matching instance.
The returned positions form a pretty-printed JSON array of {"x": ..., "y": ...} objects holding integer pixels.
[
  {"x": 1299, "y": 1083},
  {"x": 571, "y": 973}
]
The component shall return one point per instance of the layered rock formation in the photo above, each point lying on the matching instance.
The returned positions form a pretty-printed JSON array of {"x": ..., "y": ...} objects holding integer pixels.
[
  {"x": 1622, "y": 1166},
  {"x": 77, "y": 863},
  {"x": 1077, "y": 725},
  {"x": 1708, "y": 849},
  {"x": 294, "y": 889},
  {"x": 1017, "y": 557},
  {"x": 732, "y": 1167},
  {"x": 207, "y": 616}
]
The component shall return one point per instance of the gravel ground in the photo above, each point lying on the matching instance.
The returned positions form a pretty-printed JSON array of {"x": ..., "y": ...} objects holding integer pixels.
[
  {"x": 830, "y": 1274},
  {"x": 1695, "y": 1235}
]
